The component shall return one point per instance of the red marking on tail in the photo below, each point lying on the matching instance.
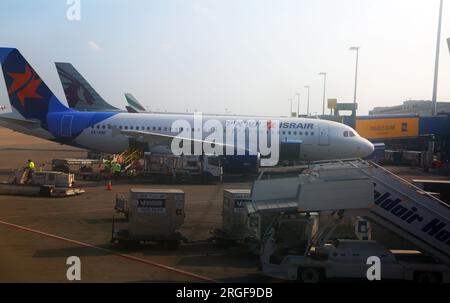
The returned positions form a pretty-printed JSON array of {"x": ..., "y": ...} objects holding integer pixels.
[{"x": 25, "y": 85}]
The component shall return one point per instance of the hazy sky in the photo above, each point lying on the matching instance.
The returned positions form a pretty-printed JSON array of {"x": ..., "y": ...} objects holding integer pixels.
[{"x": 247, "y": 56}]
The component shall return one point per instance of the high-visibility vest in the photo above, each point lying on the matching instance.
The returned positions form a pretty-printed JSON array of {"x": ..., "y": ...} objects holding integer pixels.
[
  {"x": 116, "y": 167},
  {"x": 31, "y": 165}
]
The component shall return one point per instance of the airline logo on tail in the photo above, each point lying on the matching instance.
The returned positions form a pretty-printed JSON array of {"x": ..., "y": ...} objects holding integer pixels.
[
  {"x": 133, "y": 105},
  {"x": 30, "y": 97},
  {"x": 25, "y": 85},
  {"x": 79, "y": 93},
  {"x": 73, "y": 88},
  {"x": 28, "y": 94}
]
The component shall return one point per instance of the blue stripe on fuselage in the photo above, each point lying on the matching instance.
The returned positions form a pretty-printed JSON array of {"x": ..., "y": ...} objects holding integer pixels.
[{"x": 79, "y": 122}]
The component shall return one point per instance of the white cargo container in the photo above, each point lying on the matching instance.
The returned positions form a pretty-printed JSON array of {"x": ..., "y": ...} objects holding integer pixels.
[
  {"x": 235, "y": 218},
  {"x": 156, "y": 211},
  {"x": 153, "y": 215}
]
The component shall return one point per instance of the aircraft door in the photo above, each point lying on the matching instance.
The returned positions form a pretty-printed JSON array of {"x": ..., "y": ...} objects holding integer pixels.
[
  {"x": 290, "y": 151},
  {"x": 133, "y": 143},
  {"x": 324, "y": 135},
  {"x": 66, "y": 126}
]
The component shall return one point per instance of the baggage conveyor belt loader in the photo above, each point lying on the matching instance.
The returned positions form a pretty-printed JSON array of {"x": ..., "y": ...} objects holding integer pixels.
[{"x": 351, "y": 189}]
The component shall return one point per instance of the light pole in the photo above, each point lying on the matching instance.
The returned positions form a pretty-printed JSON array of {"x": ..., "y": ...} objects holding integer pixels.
[
  {"x": 355, "y": 48},
  {"x": 436, "y": 62},
  {"x": 324, "y": 90},
  {"x": 290, "y": 100},
  {"x": 307, "y": 106},
  {"x": 298, "y": 105}
]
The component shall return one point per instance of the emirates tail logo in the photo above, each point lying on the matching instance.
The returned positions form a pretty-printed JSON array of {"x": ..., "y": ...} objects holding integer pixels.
[{"x": 25, "y": 85}]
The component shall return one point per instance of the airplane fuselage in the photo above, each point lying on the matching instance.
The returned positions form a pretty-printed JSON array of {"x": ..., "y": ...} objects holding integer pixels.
[
  {"x": 38, "y": 112},
  {"x": 316, "y": 139}
]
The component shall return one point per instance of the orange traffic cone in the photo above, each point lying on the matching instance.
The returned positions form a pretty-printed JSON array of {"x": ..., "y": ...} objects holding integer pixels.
[{"x": 109, "y": 186}]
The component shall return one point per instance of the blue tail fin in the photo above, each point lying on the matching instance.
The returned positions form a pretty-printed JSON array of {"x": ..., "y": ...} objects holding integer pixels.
[
  {"x": 79, "y": 94},
  {"x": 28, "y": 94}
]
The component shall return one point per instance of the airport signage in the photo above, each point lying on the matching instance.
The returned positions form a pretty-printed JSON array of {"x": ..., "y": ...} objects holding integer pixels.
[
  {"x": 332, "y": 103},
  {"x": 346, "y": 106},
  {"x": 382, "y": 128}
]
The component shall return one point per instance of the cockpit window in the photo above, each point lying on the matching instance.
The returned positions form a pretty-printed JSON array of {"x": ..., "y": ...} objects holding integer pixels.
[{"x": 349, "y": 133}]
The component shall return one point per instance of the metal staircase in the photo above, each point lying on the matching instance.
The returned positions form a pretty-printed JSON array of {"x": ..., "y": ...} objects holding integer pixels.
[
  {"x": 128, "y": 158},
  {"x": 397, "y": 205},
  {"x": 402, "y": 207}
]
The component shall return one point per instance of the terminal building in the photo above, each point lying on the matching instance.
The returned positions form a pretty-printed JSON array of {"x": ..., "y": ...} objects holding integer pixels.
[
  {"x": 407, "y": 133},
  {"x": 422, "y": 136},
  {"x": 412, "y": 107}
]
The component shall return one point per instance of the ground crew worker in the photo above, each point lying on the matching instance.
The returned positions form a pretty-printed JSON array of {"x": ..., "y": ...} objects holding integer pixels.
[
  {"x": 116, "y": 169},
  {"x": 30, "y": 167},
  {"x": 107, "y": 163}
]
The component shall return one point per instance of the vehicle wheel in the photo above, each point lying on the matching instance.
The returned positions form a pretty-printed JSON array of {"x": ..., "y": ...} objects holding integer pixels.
[
  {"x": 225, "y": 243},
  {"x": 309, "y": 275},
  {"x": 169, "y": 244},
  {"x": 45, "y": 191},
  {"x": 427, "y": 277},
  {"x": 128, "y": 243}
]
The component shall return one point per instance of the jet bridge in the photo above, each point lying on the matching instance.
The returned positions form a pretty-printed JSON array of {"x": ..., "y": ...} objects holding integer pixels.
[{"x": 398, "y": 205}]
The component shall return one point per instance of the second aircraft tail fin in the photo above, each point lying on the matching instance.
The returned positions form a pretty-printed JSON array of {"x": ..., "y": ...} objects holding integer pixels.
[
  {"x": 133, "y": 104},
  {"x": 79, "y": 93}
]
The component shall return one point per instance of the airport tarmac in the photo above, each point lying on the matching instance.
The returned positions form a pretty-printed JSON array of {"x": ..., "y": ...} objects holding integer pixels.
[
  {"x": 45, "y": 231},
  {"x": 29, "y": 256},
  {"x": 37, "y": 235}
]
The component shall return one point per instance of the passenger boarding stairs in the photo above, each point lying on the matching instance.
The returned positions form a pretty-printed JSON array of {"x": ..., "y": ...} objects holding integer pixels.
[
  {"x": 398, "y": 205},
  {"x": 410, "y": 212},
  {"x": 128, "y": 158}
]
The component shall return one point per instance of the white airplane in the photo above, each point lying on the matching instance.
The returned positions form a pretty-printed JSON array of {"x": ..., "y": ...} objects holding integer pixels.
[{"x": 37, "y": 111}]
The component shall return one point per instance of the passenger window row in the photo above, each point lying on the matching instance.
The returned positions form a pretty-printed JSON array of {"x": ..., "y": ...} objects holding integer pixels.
[
  {"x": 148, "y": 128},
  {"x": 160, "y": 128},
  {"x": 299, "y": 133}
]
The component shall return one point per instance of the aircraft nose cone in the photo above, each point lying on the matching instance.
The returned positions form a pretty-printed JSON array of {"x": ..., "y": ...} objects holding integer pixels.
[{"x": 366, "y": 148}]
